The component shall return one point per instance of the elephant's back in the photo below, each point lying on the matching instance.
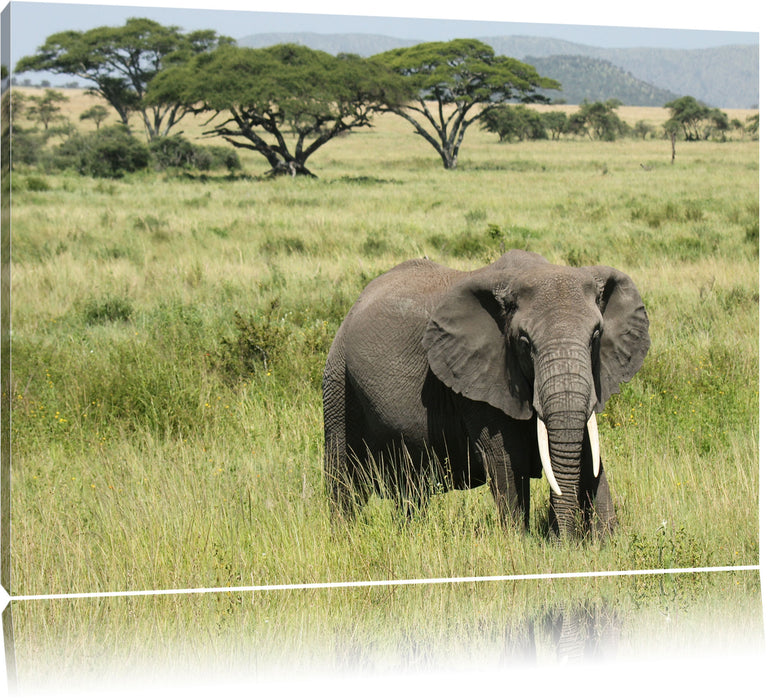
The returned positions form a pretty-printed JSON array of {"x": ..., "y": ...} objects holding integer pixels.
[
  {"x": 421, "y": 280},
  {"x": 381, "y": 342},
  {"x": 399, "y": 301}
]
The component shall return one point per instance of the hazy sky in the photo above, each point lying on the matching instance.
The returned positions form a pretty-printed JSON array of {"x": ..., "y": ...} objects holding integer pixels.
[{"x": 32, "y": 22}]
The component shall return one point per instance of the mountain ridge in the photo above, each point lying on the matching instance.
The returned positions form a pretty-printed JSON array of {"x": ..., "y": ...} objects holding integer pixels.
[{"x": 724, "y": 76}]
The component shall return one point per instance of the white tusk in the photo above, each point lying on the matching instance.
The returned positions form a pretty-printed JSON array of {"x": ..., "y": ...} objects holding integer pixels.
[
  {"x": 544, "y": 454},
  {"x": 595, "y": 445}
]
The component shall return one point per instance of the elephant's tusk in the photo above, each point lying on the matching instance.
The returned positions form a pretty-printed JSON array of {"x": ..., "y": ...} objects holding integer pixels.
[
  {"x": 595, "y": 445},
  {"x": 544, "y": 454}
]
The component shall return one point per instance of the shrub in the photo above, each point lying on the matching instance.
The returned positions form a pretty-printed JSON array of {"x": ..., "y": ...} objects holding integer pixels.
[
  {"x": 37, "y": 184},
  {"x": 27, "y": 146},
  {"x": 518, "y": 122},
  {"x": 178, "y": 152},
  {"x": 109, "y": 152},
  {"x": 256, "y": 346},
  {"x": 225, "y": 157},
  {"x": 172, "y": 152}
]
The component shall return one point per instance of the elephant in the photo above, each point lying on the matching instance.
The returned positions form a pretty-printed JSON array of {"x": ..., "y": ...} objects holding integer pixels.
[{"x": 439, "y": 378}]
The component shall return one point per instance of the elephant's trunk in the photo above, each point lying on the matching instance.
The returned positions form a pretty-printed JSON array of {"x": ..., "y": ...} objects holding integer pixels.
[{"x": 564, "y": 399}]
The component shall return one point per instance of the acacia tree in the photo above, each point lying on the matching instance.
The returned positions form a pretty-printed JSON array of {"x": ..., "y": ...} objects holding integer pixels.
[
  {"x": 688, "y": 114},
  {"x": 556, "y": 123},
  {"x": 97, "y": 113},
  {"x": 284, "y": 101},
  {"x": 121, "y": 61},
  {"x": 45, "y": 108},
  {"x": 598, "y": 120},
  {"x": 456, "y": 83}
]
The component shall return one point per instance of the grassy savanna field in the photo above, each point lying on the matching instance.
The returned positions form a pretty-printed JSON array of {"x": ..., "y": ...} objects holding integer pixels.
[{"x": 169, "y": 333}]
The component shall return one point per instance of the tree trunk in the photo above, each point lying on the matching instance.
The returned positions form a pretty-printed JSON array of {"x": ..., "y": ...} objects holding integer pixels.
[{"x": 290, "y": 168}]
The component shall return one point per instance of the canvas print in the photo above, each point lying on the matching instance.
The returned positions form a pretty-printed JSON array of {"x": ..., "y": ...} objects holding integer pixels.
[{"x": 346, "y": 344}]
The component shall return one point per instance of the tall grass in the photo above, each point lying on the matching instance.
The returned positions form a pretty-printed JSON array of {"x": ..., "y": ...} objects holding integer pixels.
[{"x": 169, "y": 337}]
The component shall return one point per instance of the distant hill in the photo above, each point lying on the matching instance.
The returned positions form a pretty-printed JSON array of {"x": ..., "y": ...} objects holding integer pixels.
[
  {"x": 594, "y": 79},
  {"x": 725, "y": 77}
]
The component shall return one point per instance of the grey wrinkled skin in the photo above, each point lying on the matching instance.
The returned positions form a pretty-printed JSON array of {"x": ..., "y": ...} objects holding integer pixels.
[{"x": 436, "y": 377}]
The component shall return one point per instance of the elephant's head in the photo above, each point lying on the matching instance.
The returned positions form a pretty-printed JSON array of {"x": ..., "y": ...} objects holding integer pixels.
[{"x": 532, "y": 338}]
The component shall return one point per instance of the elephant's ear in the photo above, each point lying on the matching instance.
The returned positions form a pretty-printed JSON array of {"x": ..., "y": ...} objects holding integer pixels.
[
  {"x": 625, "y": 332},
  {"x": 465, "y": 337}
]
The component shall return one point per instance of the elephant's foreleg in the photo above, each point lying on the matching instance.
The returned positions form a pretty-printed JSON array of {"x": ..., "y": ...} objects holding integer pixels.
[
  {"x": 510, "y": 493},
  {"x": 499, "y": 444},
  {"x": 510, "y": 490}
]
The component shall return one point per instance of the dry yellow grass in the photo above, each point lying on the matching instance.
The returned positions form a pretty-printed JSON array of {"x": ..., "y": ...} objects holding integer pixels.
[{"x": 79, "y": 100}]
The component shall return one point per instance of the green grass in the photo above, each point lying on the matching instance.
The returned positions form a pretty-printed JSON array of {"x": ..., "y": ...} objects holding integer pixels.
[{"x": 169, "y": 337}]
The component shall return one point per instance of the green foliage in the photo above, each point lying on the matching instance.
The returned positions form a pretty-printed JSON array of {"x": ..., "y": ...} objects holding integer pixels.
[
  {"x": 97, "y": 113},
  {"x": 696, "y": 120},
  {"x": 37, "y": 184},
  {"x": 28, "y": 146},
  {"x": 753, "y": 125},
  {"x": 465, "y": 72},
  {"x": 556, "y": 123},
  {"x": 46, "y": 107},
  {"x": 121, "y": 61},
  {"x": 110, "y": 152},
  {"x": 177, "y": 152},
  {"x": 256, "y": 346},
  {"x": 514, "y": 122},
  {"x": 642, "y": 129},
  {"x": 598, "y": 120}
]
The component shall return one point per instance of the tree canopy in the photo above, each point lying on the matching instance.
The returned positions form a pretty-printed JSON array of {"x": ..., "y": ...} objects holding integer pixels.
[
  {"x": 454, "y": 84},
  {"x": 284, "y": 101},
  {"x": 696, "y": 120},
  {"x": 598, "y": 120},
  {"x": 45, "y": 108},
  {"x": 121, "y": 61},
  {"x": 511, "y": 122}
]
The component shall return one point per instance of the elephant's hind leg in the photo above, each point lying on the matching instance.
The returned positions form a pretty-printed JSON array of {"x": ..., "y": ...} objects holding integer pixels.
[{"x": 340, "y": 474}]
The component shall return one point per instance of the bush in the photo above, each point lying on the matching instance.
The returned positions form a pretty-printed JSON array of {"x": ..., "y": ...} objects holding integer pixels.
[
  {"x": 514, "y": 122},
  {"x": 109, "y": 152},
  {"x": 178, "y": 152},
  {"x": 172, "y": 152},
  {"x": 225, "y": 157},
  {"x": 258, "y": 343},
  {"x": 37, "y": 184},
  {"x": 27, "y": 146}
]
